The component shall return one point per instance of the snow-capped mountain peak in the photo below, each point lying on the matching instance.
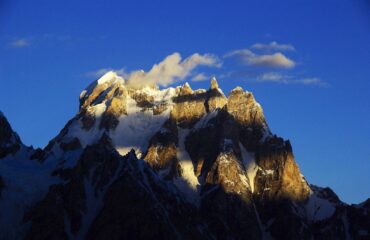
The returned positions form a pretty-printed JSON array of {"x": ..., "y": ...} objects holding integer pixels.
[{"x": 165, "y": 163}]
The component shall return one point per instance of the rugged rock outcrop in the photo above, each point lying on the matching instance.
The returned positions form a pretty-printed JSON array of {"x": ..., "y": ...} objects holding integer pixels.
[
  {"x": 162, "y": 151},
  {"x": 176, "y": 163},
  {"x": 9, "y": 140},
  {"x": 189, "y": 106},
  {"x": 115, "y": 107},
  {"x": 216, "y": 98}
]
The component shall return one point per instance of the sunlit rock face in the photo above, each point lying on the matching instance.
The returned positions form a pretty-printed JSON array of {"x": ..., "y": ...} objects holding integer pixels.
[
  {"x": 174, "y": 163},
  {"x": 162, "y": 151},
  {"x": 279, "y": 177},
  {"x": 242, "y": 106},
  {"x": 189, "y": 106},
  {"x": 216, "y": 98},
  {"x": 115, "y": 108}
]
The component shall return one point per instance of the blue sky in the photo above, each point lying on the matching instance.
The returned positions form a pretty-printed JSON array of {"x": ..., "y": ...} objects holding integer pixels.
[{"x": 307, "y": 63}]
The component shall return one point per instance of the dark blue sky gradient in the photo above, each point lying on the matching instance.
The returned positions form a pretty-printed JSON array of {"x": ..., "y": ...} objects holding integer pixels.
[{"x": 329, "y": 126}]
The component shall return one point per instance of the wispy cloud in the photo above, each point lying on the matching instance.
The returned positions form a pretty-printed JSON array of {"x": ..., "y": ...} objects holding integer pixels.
[
  {"x": 200, "y": 77},
  {"x": 270, "y": 77},
  {"x": 38, "y": 40},
  {"x": 47, "y": 39},
  {"x": 19, "y": 43},
  {"x": 313, "y": 81},
  {"x": 275, "y": 77},
  {"x": 268, "y": 57},
  {"x": 276, "y": 60},
  {"x": 273, "y": 46}
]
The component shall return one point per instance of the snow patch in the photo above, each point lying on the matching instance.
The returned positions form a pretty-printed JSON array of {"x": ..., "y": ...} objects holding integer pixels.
[
  {"x": 90, "y": 137},
  {"x": 318, "y": 208},
  {"x": 188, "y": 183},
  {"x": 110, "y": 76},
  {"x": 164, "y": 95},
  {"x": 99, "y": 109},
  {"x": 199, "y": 91},
  {"x": 135, "y": 129},
  {"x": 250, "y": 165},
  {"x": 83, "y": 93},
  {"x": 93, "y": 204}
]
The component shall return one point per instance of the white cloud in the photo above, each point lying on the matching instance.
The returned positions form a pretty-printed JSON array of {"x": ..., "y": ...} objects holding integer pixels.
[
  {"x": 274, "y": 77},
  {"x": 270, "y": 57},
  {"x": 273, "y": 46},
  {"x": 276, "y": 60},
  {"x": 200, "y": 77},
  {"x": 19, "y": 43},
  {"x": 172, "y": 69}
]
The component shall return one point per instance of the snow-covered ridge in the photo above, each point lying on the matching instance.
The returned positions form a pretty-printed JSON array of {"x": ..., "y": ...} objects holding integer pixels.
[
  {"x": 147, "y": 109},
  {"x": 135, "y": 128}
]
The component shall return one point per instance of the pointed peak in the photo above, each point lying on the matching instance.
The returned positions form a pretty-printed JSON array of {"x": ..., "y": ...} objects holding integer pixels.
[
  {"x": 238, "y": 89},
  {"x": 186, "y": 85},
  {"x": 214, "y": 84},
  {"x": 100, "y": 89},
  {"x": 186, "y": 89}
]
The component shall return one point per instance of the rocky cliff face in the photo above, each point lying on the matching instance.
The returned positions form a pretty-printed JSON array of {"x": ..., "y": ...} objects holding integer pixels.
[
  {"x": 9, "y": 140},
  {"x": 175, "y": 163}
]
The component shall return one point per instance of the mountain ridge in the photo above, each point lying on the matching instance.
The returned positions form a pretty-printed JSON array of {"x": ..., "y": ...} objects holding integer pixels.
[{"x": 177, "y": 153}]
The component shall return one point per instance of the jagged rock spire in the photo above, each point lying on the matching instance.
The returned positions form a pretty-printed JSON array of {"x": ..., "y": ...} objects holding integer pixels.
[
  {"x": 214, "y": 84},
  {"x": 186, "y": 89},
  {"x": 9, "y": 140}
]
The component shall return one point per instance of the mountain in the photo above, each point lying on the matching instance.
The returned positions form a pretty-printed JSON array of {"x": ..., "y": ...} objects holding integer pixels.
[{"x": 171, "y": 163}]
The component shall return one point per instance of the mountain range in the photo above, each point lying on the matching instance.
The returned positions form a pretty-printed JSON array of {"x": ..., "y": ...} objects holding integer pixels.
[{"x": 173, "y": 163}]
